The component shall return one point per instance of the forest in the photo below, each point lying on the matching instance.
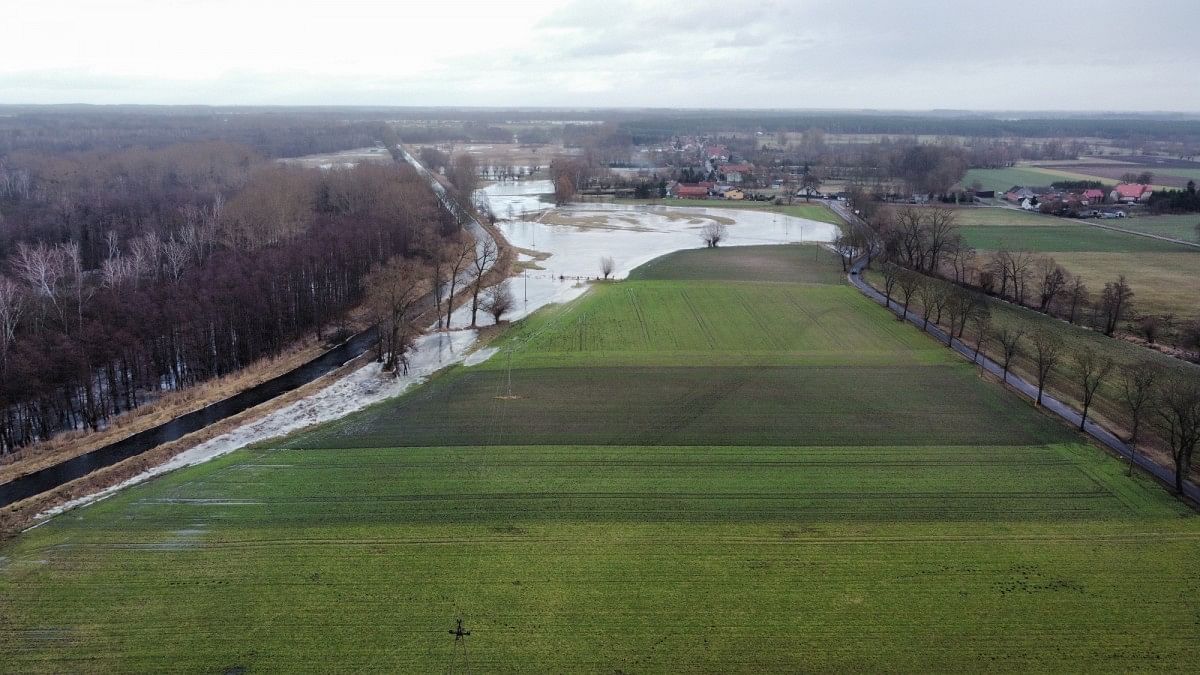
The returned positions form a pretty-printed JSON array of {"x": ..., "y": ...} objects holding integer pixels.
[{"x": 128, "y": 269}]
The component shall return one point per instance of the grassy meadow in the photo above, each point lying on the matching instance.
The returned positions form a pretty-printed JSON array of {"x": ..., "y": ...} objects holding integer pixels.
[{"x": 731, "y": 462}]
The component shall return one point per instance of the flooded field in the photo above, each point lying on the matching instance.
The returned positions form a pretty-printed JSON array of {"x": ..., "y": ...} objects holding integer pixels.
[
  {"x": 343, "y": 159},
  {"x": 576, "y": 237}
]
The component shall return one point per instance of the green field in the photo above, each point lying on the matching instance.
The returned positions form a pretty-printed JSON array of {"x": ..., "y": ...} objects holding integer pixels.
[
  {"x": 1001, "y": 180},
  {"x": 731, "y": 472},
  {"x": 1182, "y": 227},
  {"x": 1064, "y": 237}
]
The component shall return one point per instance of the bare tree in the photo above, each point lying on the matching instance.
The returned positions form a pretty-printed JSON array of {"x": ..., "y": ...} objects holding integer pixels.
[
  {"x": 176, "y": 255},
  {"x": 1047, "y": 350},
  {"x": 607, "y": 265},
  {"x": 460, "y": 251},
  {"x": 12, "y": 302},
  {"x": 498, "y": 300},
  {"x": 1116, "y": 301},
  {"x": 1009, "y": 340},
  {"x": 941, "y": 232},
  {"x": 1077, "y": 297},
  {"x": 1138, "y": 382},
  {"x": 1137, "y": 392},
  {"x": 909, "y": 282},
  {"x": 1177, "y": 409},
  {"x": 1018, "y": 272},
  {"x": 932, "y": 295},
  {"x": 486, "y": 255},
  {"x": 713, "y": 233},
  {"x": 42, "y": 270},
  {"x": 810, "y": 183},
  {"x": 394, "y": 291},
  {"x": 891, "y": 274},
  {"x": 981, "y": 319},
  {"x": 1052, "y": 278},
  {"x": 845, "y": 245},
  {"x": 1092, "y": 369}
]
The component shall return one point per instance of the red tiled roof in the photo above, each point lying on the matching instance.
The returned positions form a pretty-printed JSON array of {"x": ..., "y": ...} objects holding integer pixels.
[
  {"x": 1131, "y": 190},
  {"x": 1093, "y": 194}
]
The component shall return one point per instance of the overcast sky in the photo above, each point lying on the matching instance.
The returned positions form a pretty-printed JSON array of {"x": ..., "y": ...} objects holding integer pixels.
[{"x": 893, "y": 54}]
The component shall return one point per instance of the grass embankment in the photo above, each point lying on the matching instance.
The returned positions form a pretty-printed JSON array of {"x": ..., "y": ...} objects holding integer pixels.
[{"x": 916, "y": 540}]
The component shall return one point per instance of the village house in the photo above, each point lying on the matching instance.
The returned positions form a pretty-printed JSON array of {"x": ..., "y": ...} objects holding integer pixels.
[
  {"x": 1019, "y": 194},
  {"x": 1130, "y": 193},
  {"x": 1094, "y": 196},
  {"x": 693, "y": 191},
  {"x": 736, "y": 173}
]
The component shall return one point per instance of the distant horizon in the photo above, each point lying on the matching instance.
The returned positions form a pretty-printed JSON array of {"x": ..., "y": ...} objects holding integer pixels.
[
  {"x": 1070, "y": 55},
  {"x": 614, "y": 108}
]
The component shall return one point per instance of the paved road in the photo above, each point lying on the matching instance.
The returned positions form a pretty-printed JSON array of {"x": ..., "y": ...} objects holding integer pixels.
[{"x": 1050, "y": 403}]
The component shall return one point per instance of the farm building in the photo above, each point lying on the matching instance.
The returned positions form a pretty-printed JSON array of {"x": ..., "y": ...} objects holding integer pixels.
[
  {"x": 683, "y": 191},
  {"x": 1094, "y": 196},
  {"x": 1128, "y": 193},
  {"x": 1019, "y": 194}
]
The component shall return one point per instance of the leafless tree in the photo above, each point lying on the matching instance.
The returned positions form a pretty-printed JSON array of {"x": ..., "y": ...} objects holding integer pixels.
[
  {"x": 1116, "y": 302},
  {"x": 932, "y": 294},
  {"x": 42, "y": 270},
  {"x": 607, "y": 265},
  {"x": 891, "y": 274},
  {"x": 1052, "y": 279},
  {"x": 1009, "y": 340},
  {"x": 460, "y": 251},
  {"x": 498, "y": 300},
  {"x": 909, "y": 283},
  {"x": 981, "y": 320},
  {"x": 1047, "y": 351},
  {"x": 1137, "y": 392},
  {"x": 1177, "y": 411},
  {"x": 176, "y": 256},
  {"x": 486, "y": 255},
  {"x": 1019, "y": 263},
  {"x": 1076, "y": 296},
  {"x": 394, "y": 291},
  {"x": 941, "y": 232},
  {"x": 713, "y": 233},
  {"x": 12, "y": 302},
  {"x": 1092, "y": 369}
]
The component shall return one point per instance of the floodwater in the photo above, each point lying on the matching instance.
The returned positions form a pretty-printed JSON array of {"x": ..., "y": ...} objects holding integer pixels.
[{"x": 581, "y": 234}]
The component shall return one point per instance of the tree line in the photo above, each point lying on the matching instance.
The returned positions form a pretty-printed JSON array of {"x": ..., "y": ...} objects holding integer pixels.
[
  {"x": 134, "y": 273},
  {"x": 912, "y": 249}
]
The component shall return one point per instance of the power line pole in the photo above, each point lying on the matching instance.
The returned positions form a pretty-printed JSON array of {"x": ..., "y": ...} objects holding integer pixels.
[{"x": 460, "y": 639}]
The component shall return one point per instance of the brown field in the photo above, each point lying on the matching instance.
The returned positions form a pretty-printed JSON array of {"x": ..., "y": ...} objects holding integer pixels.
[
  {"x": 1163, "y": 282},
  {"x": 513, "y": 154}
]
